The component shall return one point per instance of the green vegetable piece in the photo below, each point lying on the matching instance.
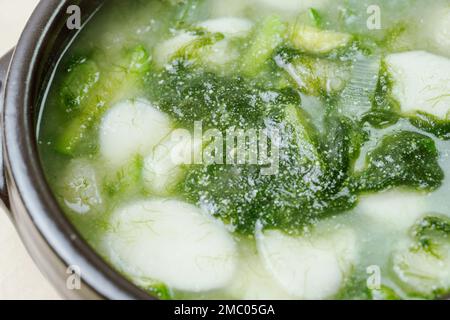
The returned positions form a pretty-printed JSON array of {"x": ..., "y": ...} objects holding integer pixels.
[
  {"x": 78, "y": 84},
  {"x": 316, "y": 41},
  {"x": 138, "y": 61},
  {"x": 111, "y": 83},
  {"x": 313, "y": 76},
  {"x": 194, "y": 49},
  {"x": 267, "y": 36},
  {"x": 404, "y": 159}
]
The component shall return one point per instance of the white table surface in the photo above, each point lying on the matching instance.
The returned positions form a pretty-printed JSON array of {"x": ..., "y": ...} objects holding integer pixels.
[{"x": 19, "y": 277}]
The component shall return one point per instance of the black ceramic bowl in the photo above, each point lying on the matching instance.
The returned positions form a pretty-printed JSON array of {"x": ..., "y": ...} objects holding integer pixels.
[{"x": 50, "y": 238}]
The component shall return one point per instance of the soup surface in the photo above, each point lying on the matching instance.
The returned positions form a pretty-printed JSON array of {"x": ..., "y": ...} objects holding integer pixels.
[{"x": 259, "y": 149}]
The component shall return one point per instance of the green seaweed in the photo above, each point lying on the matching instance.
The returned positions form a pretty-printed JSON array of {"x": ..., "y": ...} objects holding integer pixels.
[
  {"x": 431, "y": 124},
  {"x": 299, "y": 195},
  {"x": 340, "y": 147},
  {"x": 385, "y": 109},
  {"x": 406, "y": 159},
  {"x": 220, "y": 102}
]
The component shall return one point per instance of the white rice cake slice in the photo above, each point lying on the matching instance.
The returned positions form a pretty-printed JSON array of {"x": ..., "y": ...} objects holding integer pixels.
[
  {"x": 252, "y": 281},
  {"x": 422, "y": 272},
  {"x": 219, "y": 53},
  {"x": 393, "y": 209},
  {"x": 163, "y": 166},
  {"x": 79, "y": 187},
  {"x": 309, "y": 267},
  {"x": 129, "y": 128},
  {"x": 173, "y": 242},
  {"x": 421, "y": 82}
]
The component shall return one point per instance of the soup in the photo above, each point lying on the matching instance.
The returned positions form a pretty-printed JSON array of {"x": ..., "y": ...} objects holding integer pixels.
[{"x": 259, "y": 149}]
